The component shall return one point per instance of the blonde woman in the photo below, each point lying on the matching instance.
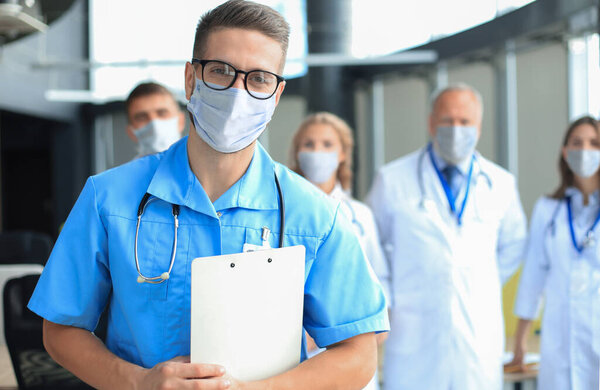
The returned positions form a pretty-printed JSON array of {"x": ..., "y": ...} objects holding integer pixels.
[{"x": 322, "y": 153}]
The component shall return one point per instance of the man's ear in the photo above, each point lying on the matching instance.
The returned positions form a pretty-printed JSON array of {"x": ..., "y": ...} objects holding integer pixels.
[
  {"x": 131, "y": 134},
  {"x": 190, "y": 80},
  {"x": 280, "y": 89}
]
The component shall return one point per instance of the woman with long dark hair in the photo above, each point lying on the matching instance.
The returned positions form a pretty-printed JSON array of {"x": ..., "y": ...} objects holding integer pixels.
[{"x": 562, "y": 267}]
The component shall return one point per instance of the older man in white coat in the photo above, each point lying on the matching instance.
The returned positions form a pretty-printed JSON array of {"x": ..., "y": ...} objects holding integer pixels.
[{"x": 453, "y": 229}]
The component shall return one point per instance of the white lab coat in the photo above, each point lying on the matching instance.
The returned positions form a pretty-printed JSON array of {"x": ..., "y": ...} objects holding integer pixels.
[
  {"x": 364, "y": 226},
  {"x": 447, "y": 330},
  {"x": 570, "y": 284}
]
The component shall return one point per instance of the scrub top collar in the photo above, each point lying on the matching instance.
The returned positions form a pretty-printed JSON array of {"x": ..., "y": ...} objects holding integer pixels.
[{"x": 174, "y": 182}]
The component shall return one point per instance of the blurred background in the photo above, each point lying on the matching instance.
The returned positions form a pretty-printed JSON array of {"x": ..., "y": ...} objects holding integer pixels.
[{"x": 66, "y": 67}]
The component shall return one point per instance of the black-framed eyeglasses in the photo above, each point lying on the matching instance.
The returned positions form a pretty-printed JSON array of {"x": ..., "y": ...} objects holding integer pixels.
[{"x": 220, "y": 75}]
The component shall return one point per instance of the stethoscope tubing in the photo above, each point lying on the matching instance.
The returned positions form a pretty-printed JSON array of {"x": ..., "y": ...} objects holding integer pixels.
[
  {"x": 165, "y": 275},
  {"x": 146, "y": 199},
  {"x": 420, "y": 175}
]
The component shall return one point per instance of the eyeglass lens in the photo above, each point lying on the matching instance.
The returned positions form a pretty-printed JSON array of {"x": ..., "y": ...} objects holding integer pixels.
[{"x": 259, "y": 84}]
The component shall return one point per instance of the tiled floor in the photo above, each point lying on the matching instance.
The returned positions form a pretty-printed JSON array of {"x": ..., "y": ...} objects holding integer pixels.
[{"x": 7, "y": 377}]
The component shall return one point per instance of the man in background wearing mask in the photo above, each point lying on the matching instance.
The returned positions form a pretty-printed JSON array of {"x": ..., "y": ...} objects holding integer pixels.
[
  {"x": 155, "y": 121},
  {"x": 453, "y": 230},
  {"x": 222, "y": 187}
]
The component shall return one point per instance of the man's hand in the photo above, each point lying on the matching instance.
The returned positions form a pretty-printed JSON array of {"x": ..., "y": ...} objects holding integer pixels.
[{"x": 179, "y": 373}]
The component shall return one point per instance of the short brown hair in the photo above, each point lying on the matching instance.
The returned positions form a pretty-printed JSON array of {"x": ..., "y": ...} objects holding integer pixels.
[
  {"x": 146, "y": 89},
  {"x": 566, "y": 174},
  {"x": 344, "y": 172},
  {"x": 246, "y": 15}
]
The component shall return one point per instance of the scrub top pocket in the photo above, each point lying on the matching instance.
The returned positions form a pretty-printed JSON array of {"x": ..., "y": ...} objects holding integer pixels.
[{"x": 155, "y": 246}]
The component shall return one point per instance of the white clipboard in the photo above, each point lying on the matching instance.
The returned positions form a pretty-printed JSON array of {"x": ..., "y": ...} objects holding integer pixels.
[{"x": 247, "y": 311}]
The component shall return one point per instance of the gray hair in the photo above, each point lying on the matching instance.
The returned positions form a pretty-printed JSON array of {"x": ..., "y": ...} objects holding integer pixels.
[{"x": 461, "y": 87}]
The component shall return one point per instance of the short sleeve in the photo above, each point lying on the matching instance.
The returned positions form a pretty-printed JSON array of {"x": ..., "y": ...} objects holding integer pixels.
[
  {"x": 535, "y": 270},
  {"x": 342, "y": 295},
  {"x": 75, "y": 284}
]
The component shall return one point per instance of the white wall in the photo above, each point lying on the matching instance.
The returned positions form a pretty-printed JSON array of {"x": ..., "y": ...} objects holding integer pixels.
[
  {"x": 405, "y": 116},
  {"x": 481, "y": 77},
  {"x": 288, "y": 115},
  {"x": 542, "y": 119}
]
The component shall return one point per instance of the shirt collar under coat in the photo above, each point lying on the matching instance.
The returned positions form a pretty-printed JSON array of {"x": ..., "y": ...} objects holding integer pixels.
[
  {"x": 174, "y": 182},
  {"x": 463, "y": 166},
  {"x": 338, "y": 193},
  {"x": 577, "y": 206}
]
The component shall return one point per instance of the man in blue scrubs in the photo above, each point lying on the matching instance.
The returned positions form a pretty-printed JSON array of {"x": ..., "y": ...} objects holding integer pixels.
[{"x": 224, "y": 184}]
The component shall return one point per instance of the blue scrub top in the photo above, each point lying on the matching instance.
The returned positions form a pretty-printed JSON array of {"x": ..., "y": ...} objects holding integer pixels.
[{"x": 93, "y": 263}]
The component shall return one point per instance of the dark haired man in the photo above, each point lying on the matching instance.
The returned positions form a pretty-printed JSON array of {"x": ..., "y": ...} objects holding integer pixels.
[
  {"x": 223, "y": 187},
  {"x": 154, "y": 120}
]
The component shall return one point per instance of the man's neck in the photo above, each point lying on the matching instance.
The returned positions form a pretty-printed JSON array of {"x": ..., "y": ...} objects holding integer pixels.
[{"x": 216, "y": 171}]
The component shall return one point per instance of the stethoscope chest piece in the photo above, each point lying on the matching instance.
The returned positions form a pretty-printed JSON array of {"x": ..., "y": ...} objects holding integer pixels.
[{"x": 589, "y": 240}]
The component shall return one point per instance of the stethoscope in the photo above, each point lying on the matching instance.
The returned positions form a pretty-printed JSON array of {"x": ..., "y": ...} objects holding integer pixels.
[
  {"x": 420, "y": 180},
  {"x": 146, "y": 200},
  {"x": 589, "y": 239}
]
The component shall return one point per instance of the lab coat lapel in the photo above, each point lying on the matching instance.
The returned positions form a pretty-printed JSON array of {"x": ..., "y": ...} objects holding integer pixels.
[{"x": 439, "y": 209}]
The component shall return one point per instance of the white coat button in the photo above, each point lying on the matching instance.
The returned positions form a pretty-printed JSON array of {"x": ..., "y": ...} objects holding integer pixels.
[{"x": 219, "y": 214}]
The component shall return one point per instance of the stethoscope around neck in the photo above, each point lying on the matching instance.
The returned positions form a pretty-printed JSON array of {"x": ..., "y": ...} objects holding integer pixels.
[
  {"x": 147, "y": 199},
  {"x": 589, "y": 238}
]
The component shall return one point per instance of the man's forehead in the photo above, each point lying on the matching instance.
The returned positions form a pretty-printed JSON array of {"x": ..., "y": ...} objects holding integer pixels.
[
  {"x": 457, "y": 99},
  {"x": 260, "y": 50},
  {"x": 152, "y": 102}
]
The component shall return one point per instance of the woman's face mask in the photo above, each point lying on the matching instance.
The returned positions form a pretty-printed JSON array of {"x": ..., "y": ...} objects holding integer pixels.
[
  {"x": 320, "y": 152},
  {"x": 318, "y": 167},
  {"x": 583, "y": 162}
]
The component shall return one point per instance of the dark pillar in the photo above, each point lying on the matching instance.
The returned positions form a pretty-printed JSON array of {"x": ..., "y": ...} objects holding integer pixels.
[{"x": 329, "y": 31}]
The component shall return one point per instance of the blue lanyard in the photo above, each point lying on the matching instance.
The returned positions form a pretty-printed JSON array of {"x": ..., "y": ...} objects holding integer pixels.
[
  {"x": 447, "y": 189},
  {"x": 589, "y": 232}
]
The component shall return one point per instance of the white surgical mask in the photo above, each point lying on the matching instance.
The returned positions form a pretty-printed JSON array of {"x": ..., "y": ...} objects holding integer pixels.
[
  {"x": 583, "y": 162},
  {"x": 456, "y": 143},
  {"x": 229, "y": 120},
  {"x": 157, "y": 135},
  {"x": 318, "y": 167}
]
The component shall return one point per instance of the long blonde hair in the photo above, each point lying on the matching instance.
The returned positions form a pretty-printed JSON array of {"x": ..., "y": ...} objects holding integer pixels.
[{"x": 344, "y": 171}]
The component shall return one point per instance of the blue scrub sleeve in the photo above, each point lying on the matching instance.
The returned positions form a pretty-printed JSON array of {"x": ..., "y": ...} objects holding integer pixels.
[
  {"x": 342, "y": 295},
  {"x": 75, "y": 284}
]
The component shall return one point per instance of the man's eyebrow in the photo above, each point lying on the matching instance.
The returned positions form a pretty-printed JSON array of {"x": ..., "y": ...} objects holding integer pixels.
[{"x": 140, "y": 114}]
